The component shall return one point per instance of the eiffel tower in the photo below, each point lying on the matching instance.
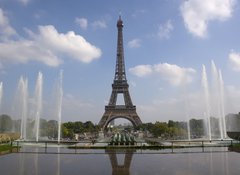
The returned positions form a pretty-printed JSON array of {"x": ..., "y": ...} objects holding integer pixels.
[{"x": 120, "y": 86}]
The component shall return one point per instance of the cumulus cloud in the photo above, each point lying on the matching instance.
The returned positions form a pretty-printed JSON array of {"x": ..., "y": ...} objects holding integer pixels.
[
  {"x": 70, "y": 44},
  {"x": 141, "y": 70},
  {"x": 165, "y": 30},
  {"x": 173, "y": 74},
  {"x": 135, "y": 43},
  {"x": 82, "y": 22},
  {"x": 47, "y": 46},
  {"x": 5, "y": 28},
  {"x": 234, "y": 59},
  {"x": 23, "y": 51},
  {"x": 198, "y": 13}
]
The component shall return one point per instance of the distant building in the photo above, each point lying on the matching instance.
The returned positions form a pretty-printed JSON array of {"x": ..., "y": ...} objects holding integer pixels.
[
  {"x": 233, "y": 122},
  {"x": 233, "y": 126}
]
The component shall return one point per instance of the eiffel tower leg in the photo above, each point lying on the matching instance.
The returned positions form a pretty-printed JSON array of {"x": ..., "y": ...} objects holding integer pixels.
[{"x": 120, "y": 86}]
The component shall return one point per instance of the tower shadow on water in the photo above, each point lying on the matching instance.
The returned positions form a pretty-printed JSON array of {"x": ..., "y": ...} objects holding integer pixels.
[{"x": 118, "y": 169}]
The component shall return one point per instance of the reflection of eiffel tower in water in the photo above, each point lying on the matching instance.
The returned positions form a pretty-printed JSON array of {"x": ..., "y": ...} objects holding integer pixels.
[
  {"x": 120, "y": 87},
  {"x": 120, "y": 169}
]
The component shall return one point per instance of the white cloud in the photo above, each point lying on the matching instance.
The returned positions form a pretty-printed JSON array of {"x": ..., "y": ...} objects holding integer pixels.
[
  {"x": 165, "y": 30},
  {"x": 234, "y": 59},
  {"x": 23, "y": 51},
  {"x": 198, "y": 13},
  {"x": 99, "y": 24},
  {"x": 141, "y": 70},
  {"x": 70, "y": 44},
  {"x": 82, "y": 22},
  {"x": 5, "y": 28},
  {"x": 135, "y": 43},
  {"x": 174, "y": 74},
  {"x": 48, "y": 46}
]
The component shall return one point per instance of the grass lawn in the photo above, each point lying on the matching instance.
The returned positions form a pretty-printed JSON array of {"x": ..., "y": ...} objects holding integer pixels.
[
  {"x": 5, "y": 147},
  {"x": 237, "y": 145}
]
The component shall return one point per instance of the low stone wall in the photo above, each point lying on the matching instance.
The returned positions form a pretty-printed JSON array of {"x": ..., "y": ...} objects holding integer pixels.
[{"x": 7, "y": 137}]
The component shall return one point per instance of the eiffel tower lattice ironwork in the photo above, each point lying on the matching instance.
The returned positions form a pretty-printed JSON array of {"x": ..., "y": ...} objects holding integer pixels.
[{"x": 120, "y": 86}]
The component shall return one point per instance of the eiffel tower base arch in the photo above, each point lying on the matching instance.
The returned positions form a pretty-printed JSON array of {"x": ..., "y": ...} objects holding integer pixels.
[
  {"x": 120, "y": 86},
  {"x": 115, "y": 112}
]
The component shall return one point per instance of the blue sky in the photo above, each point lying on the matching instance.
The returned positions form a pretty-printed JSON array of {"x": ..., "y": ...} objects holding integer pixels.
[{"x": 166, "y": 42}]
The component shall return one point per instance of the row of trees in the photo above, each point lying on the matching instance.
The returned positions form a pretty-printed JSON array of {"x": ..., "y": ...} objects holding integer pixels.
[
  {"x": 69, "y": 128},
  {"x": 171, "y": 129},
  {"x": 174, "y": 129},
  {"x": 47, "y": 128}
]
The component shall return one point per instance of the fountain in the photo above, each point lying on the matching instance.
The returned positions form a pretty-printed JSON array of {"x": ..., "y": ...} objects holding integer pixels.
[
  {"x": 221, "y": 85},
  {"x": 122, "y": 139},
  {"x": 187, "y": 116},
  {"x": 206, "y": 100},
  {"x": 59, "y": 103},
  {"x": 22, "y": 99},
  {"x": 213, "y": 99},
  {"x": 30, "y": 115},
  {"x": 218, "y": 100},
  {"x": 1, "y": 94},
  {"x": 38, "y": 103},
  {"x": 214, "y": 103}
]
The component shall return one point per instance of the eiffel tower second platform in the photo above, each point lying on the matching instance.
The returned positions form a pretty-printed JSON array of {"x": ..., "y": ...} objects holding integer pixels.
[{"x": 120, "y": 86}]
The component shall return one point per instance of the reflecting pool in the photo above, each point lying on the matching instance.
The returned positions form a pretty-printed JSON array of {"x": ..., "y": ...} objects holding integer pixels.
[{"x": 63, "y": 161}]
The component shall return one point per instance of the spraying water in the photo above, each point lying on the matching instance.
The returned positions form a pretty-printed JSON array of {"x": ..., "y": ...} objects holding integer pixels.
[
  {"x": 215, "y": 97},
  {"x": 38, "y": 102},
  {"x": 59, "y": 103},
  {"x": 22, "y": 93},
  {"x": 187, "y": 114},
  {"x": 1, "y": 94},
  {"x": 221, "y": 85},
  {"x": 218, "y": 100},
  {"x": 206, "y": 99}
]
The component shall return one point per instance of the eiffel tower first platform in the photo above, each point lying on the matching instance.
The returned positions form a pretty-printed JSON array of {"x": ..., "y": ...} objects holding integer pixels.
[{"x": 120, "y": 86}]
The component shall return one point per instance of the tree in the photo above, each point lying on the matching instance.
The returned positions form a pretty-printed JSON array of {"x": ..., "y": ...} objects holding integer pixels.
[
  {"x": 159, "y": 128},
  {"x": 196, "y": 127},
  {"x": 89, "y": 126},
  {"x": 6, "y": 123},
  {"x": 52, "y": 129},
  {"x": 171, "y": 123},
  {"x": 67, "y": 133}
]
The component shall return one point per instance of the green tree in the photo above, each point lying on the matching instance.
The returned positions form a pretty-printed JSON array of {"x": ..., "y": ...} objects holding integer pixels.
[
  {"x": 171, "y": 123},
  {"x": 196, "y": 127},
  {"x": 159, "y": 129},
  {"x": 6, "y": 123},
  {"x": 67, "y": 133}
]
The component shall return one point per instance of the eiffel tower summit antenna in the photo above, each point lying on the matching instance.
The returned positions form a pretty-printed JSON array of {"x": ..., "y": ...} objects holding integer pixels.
[{"x": 120, "y": 86}]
